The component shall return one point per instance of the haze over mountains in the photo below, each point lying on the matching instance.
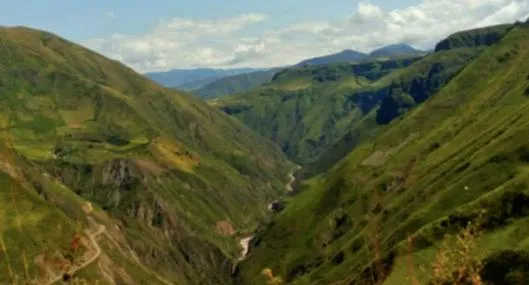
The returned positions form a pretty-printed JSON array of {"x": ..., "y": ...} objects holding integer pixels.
[
  {"x": 392, "y": 167},
  {"x": 214, "y": 83},
  {"x": 194, "y": 78}
]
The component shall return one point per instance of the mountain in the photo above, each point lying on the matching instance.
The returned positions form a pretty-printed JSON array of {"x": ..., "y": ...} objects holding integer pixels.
[
  {"x": 474, "y": 38},
  {"x": 197, "y": 84},
  {"x": 343, "y": 56},
  {"x": 212, "y": 87},
  {"x": 317, "y": 114},
  {"x": 215, "y": 88},
  {"x": 394, "y": 50},
  {"x": 235, "y": 84},
  {"x": 436, "y": 198},
  {"x": 350, "y": 56},
  {"x": 178, "y": 77},
  {"x": 108, "y": 176}
]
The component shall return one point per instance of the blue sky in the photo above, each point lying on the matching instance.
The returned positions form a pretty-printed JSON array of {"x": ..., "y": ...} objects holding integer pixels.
[
  {"x": 164, "y": 34},
  {"x": 81, "y": 20}
]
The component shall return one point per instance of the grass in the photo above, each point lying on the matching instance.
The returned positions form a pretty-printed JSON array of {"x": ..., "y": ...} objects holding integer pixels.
[
  {"x": 155, "y": 163},
  {"x": 318, "y": 114},
  {"x": 461, "y": 152},
  {"x": 234, "y": 84}
]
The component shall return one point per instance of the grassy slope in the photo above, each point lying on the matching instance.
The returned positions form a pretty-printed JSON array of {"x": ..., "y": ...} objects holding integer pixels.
[
  {"x": 461, "y": 152},
  {"x": 234, "y": 84},
  {"x": 330, "y": 109},
  {"x": 340, "y": 57},
  {"x": 164, "y": 167},
  {"x": 319, "y": 114},
  {"x": 182, "y": 77},
  {"x": 476, "y": 37},
  {"x": 306, "y": 109}
]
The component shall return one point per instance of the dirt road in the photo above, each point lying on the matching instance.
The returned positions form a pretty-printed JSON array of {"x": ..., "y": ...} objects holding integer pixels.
[{"x": 95, "y": 246}]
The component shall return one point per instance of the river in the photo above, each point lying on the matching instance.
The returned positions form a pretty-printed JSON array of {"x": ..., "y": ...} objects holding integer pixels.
[{"x": 245, "y": 242}]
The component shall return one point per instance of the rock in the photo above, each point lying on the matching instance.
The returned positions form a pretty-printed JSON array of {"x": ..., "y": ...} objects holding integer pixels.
[
  {"x": 120, "y": 173},
  {"x": 225, "y": 228},
  {"x": 87, "y": 208},
  {"x": 276, "y": 206}
]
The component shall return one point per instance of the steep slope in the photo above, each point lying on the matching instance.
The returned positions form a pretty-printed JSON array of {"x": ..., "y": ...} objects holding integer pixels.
[
  {"x": 382, "y": 212},
  {"x": 318, "y": 114},
  {"x": 308, "y": 111},
  {"x": 474, "y": 38},
  {"x": 88, "y": 142},
  {"x": 178, "y": 77},
  {"x": 197, "y": 84},
  {"x": 394, "y": 51},
  {"x": 235, "y": 84},
  {"x": 305, "y": 110}
]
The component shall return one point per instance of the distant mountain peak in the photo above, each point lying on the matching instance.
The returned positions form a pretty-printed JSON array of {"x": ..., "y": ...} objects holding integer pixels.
[
  {"x": 394, "y": 49},
  {"x": 347, "y": 55}
]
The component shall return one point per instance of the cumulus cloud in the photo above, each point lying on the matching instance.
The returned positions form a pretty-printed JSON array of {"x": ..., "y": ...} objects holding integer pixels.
[{"x": 230, "y": 42}]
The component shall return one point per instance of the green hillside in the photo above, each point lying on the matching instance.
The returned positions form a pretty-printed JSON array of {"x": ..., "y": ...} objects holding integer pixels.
[
  {"x": 87, "y": 142},
  {"x": 340, "y": 57},
  {"x": 189, "y": 79},
  {"x": 474, "y": 38},
  {"x": 319, "y": 114},
  {"x": 235, "y": 84},
  {"x": 380, "y": 216}
]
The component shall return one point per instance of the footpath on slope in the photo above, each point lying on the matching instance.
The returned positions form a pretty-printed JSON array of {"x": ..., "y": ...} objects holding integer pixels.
[{"x": 94, "y": 246}]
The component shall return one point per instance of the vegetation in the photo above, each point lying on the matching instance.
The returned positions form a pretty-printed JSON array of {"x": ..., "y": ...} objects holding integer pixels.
[
  {"x": 235, "y": 84},
  {"x": 474, "y": 38},
  {"x": 319, "y": 114},
  {"x": 190, "y": 79},
  {"x": 394, "y": 51},
  {"x": 340, "y": 57},
  {"x": 381, "y": 215},
  {"x": 417, "y": 169},
  {"x": 88, "y": 143},
  {"x": 240, "y": 83},
  {"x": 389, "y": 52}
]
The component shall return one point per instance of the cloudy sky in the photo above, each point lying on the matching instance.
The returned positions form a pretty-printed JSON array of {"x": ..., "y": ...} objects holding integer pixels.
[{"x": 159, "y": 35}]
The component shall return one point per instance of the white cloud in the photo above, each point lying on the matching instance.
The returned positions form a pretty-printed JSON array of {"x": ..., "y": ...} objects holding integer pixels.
[
  {"x": 367, "y": 12},
  {"x": 230, "y": 42}
]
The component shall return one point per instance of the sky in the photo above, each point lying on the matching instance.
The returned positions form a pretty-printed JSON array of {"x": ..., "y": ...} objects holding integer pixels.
[{"x": 159, "y": 35}]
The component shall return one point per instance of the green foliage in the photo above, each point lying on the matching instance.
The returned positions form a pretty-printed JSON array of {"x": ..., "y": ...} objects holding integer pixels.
[
  {"x": 507, "y": 267},
  {"x": 318, "y": 114},
  {"x": 474, "y": 38},
  {"x": 395, "y": 104},
  {"x": 234, "y": 84},
  {"x": 158, "y": 165},
  {"x": 459, "y": 155}
]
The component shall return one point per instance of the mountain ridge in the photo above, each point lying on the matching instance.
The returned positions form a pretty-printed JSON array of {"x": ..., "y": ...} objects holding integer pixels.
[
  {"x": 397, "y": 201},
  {"x": 175, "y": 78},
  {"x": 86, "y": 139}
]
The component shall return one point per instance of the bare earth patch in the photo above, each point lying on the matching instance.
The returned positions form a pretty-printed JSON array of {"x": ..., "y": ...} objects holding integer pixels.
[{"x": 225, "y": 228}]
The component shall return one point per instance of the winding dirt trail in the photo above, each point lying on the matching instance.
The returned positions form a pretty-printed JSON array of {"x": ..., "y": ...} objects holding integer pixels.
[
  {"x": 95, "y": 246},
  {"x": 290, "y": 184},
  {"x": 245, "y": 244}
]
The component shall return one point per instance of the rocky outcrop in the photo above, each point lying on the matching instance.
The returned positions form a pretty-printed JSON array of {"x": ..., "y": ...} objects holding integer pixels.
[
  {"x": 276, "y": 206},
  {"x": 120, "y": 173},
  {"x": 225, "y": 228}
]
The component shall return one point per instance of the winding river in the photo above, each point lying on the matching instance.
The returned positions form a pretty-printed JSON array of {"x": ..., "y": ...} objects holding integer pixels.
[{"x": 245, "y": 242}]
